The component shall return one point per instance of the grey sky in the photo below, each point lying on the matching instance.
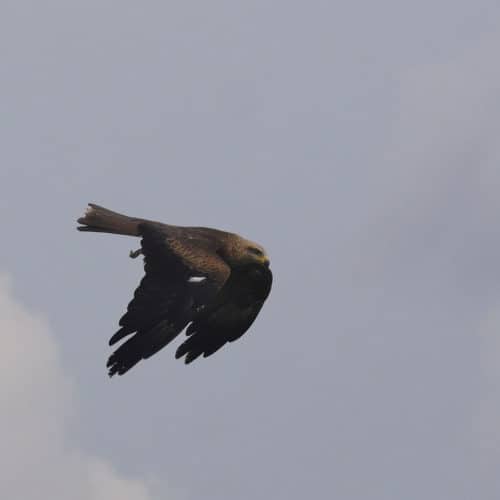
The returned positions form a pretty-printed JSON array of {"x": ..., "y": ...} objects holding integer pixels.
[{"x": 359, "y": 144}]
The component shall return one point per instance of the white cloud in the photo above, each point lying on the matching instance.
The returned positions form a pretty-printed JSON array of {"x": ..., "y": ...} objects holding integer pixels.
[{"x": 37, "y": 457}]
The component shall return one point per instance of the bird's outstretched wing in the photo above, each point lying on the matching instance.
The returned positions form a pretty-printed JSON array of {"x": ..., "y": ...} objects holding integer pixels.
[
  {"x": 182, "y": 274},
  {"x": 231, "y": 313}
]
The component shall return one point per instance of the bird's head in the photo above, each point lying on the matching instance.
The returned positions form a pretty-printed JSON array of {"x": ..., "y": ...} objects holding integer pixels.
[
  {"x": 242, "y": 252},
  {"x": 255, "y": 254}
]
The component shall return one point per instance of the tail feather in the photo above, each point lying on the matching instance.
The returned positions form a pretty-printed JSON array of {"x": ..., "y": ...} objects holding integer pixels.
[{"x": 101, "y": 220}]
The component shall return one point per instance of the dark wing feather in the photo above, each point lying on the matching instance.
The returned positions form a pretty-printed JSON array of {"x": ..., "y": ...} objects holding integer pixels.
[
  {"x": 166, "y": 301},
  {"x": 230, "y": 315}
]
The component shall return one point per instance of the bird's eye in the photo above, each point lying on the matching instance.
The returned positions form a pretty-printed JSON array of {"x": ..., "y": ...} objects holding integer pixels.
[{"x": 255, "y": 251}]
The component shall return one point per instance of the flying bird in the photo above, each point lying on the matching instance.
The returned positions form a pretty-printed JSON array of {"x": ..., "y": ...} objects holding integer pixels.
[{"x": 211, "y": 281}]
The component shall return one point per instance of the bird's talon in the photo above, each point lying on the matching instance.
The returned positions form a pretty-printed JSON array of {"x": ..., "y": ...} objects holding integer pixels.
[{"x": 134, "y": 254}]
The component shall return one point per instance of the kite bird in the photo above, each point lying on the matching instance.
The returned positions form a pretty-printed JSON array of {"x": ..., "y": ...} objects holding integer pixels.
[{"x": 215, "y": 282}]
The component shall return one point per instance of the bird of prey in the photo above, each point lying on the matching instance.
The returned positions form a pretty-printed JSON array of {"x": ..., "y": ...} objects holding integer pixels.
[{"x": 211, "y": 281}]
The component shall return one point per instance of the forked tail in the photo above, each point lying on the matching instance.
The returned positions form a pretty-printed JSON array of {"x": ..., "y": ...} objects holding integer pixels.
[{"x": 101, "y": 220}]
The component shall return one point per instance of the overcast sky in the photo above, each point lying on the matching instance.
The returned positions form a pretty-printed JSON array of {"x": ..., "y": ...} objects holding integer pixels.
[{"x": 358, "y": 142}]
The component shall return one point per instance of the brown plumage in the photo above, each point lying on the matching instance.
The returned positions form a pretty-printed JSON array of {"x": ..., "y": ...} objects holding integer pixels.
[{"x": 214, "y": 281}]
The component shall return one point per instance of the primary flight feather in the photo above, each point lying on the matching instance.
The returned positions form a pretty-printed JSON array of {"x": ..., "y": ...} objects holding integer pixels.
[{"x": 214, "y": 281}]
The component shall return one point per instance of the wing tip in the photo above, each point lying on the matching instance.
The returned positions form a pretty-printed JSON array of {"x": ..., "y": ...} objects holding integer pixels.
[{"x": 122, "y": 332}]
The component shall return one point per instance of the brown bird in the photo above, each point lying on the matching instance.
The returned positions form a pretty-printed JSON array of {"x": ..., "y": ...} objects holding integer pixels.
[{"x": 214, "y": 281}]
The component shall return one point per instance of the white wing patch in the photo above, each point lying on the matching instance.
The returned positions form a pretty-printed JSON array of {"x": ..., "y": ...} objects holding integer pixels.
[{"x": 196, "y": 279}]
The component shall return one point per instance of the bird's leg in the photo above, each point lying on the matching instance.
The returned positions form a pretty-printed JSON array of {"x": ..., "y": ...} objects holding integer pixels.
[{"x": 134, "y": 254}]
